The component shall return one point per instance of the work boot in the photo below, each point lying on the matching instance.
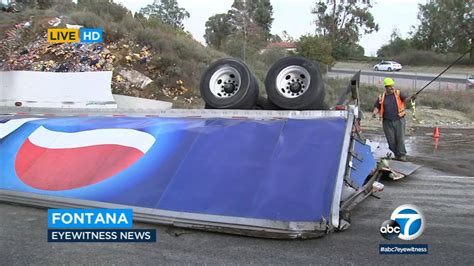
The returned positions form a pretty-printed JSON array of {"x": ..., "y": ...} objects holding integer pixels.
[{"x": 402, "y": 158}]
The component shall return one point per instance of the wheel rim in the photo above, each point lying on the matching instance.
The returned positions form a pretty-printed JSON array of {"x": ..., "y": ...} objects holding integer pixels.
[
  {"x": 293, "y": 81},
  {"x": 225, "y": 82}
]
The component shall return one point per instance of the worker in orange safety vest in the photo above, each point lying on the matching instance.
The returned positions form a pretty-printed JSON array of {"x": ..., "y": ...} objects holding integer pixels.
[{"x": 390, "y": 107}]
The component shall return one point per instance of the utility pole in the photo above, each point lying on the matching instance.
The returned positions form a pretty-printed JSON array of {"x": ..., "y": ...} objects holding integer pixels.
[
  {"x": 471, "y": 18},
  {"x": 245, "y": 28}
]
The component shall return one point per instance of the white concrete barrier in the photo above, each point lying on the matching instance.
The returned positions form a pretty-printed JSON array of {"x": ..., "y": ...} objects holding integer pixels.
[
  {"x": 128, "y": 102},
  {"x": 56, "y": 90}
]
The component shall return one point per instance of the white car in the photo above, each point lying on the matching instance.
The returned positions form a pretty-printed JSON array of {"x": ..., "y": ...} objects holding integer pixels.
[
  {"x": 470, "y": 81},
  {"x": 388, "y": 66}
]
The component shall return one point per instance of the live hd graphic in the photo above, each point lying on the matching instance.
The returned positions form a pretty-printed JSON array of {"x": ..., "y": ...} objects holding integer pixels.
[{"x": 83, "y": 35}]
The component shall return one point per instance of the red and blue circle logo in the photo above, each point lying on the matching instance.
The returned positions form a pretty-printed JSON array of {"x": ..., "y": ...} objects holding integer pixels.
[{"x": 54, "y": 160}]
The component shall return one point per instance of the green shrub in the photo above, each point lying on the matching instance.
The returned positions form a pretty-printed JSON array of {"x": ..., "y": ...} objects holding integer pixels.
[
  {"x": 259, "y": 68},
  {"x": 146, "y": 37},
  {"x": 104, "y": 7},
  {"x": 368, "y": 95},
  {"x": 315, "y": 48},
  {"x": 185, "y": 49},
  {"x": 453, "y": 100},
  {"x": 335, "y": 87},
  {"x": 428, "y": 58},
  {"x": 270, "y": 56},
  {"x": 87, "y": 19},
  {"x": 130, "y": 24},
  {"x": 114, "y": 32}
]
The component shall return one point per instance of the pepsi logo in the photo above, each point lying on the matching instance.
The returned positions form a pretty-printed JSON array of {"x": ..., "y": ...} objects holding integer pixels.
[
  {"x": 51, "y": 160},
  {"x": 12, "y": 125}
]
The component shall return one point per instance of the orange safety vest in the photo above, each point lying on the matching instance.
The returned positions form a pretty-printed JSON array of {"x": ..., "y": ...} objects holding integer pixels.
[{"x": 400, "y": 104}]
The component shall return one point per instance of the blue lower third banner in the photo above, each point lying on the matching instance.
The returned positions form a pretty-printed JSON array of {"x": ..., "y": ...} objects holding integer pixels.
[
  {"x": 90, "y": 218},
  {"x": 102, "y": 235},
  {"x": 403, "y": 249}
]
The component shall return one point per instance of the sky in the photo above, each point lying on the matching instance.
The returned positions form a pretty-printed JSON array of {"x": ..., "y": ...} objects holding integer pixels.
[{"x": 295, "y": 17}]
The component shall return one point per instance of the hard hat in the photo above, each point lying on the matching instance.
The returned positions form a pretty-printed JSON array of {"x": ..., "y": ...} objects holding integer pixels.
[{"x": 388, "y": 82}]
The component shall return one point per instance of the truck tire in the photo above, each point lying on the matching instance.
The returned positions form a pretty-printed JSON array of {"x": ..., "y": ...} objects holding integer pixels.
[
  {"x": 229, "y": 84},
  {"x": 264, "y": 104},
  {"x": 295, "y": 83}
]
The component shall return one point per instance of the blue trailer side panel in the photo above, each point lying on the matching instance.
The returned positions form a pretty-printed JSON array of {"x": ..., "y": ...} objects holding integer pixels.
[
  {"x": 362, "y": 164},
  {"x": 281, "y": 170}
]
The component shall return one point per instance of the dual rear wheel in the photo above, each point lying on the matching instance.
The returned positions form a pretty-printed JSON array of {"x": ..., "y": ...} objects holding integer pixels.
[{"x": 292, "y": 83}]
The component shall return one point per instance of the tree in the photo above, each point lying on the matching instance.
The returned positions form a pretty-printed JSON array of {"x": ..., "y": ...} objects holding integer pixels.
[
  {"x": 342, "y": 23},
  {"x": 275, "y": 38},
  {"x": 167, "y": 11},
  {"x": 41, "y": 4},
  {"x": 252, "y": 15},
  {"x": 103, "y": 7},
  {"x": 316, "y": 48},
  {"x": 44, "y": 4},
  {"x": 444, "y": 26},
  {"x": 396, "y": 46},
  {"x": 245, "y": 29},
  {"x": 286, "y": 37},
  {"x": 348, "y": 50},
  {"x": 218, "y": 29}
]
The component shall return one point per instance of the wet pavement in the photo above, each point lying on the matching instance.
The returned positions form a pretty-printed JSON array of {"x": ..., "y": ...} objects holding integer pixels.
[
  {"x": 452, "y": 153},
  {"x": 445, "y": 198}
]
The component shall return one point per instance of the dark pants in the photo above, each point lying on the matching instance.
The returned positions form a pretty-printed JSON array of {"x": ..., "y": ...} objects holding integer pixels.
[{"x": 395, "y": 134}]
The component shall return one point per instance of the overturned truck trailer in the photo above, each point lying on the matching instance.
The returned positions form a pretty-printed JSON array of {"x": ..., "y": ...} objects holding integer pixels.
[{"x": 278, "y": 174}]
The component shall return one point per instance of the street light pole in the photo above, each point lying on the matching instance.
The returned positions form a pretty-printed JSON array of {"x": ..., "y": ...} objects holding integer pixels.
[{"x": 245, "y": 28}]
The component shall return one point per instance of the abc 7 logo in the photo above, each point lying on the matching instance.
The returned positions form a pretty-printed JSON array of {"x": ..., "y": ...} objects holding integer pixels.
[{"x": 407, "y": 223}]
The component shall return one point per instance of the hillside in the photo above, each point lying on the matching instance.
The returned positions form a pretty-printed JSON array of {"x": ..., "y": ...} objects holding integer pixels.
[{"x": 149, "y": 59}]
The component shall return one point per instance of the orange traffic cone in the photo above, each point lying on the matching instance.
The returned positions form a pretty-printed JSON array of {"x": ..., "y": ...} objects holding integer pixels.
[{"x": 436, "y": 132}]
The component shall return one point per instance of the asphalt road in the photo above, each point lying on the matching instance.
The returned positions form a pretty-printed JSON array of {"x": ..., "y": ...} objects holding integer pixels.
[
  {"x": 447, "y": 203},
  {"x": 451, "y": 78},
  {"x": 406, "y": 80}
]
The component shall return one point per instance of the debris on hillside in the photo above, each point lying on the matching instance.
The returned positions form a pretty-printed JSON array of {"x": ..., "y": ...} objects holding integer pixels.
[
  {"x": 55, "y": 21},
  {"x": 39, "y": 55},
  {"x": 131, "y": 62},
  {"x": 170, "y": 58},
  {"x": 136, "y": 78},
  {"x": 13, "y": 37}
]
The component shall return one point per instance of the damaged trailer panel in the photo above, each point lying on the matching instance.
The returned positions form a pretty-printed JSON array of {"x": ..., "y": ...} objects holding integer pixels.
[{"x": 274, "y": 177}]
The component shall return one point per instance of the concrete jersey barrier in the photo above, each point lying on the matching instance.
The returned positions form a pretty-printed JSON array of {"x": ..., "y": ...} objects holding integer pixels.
[{"x": 56, "y": 90}]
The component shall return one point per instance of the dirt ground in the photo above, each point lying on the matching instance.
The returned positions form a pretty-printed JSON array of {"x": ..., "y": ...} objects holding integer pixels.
[
  {"x": 452, "y": 152},
  {"x": 425, "y": 117}
]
